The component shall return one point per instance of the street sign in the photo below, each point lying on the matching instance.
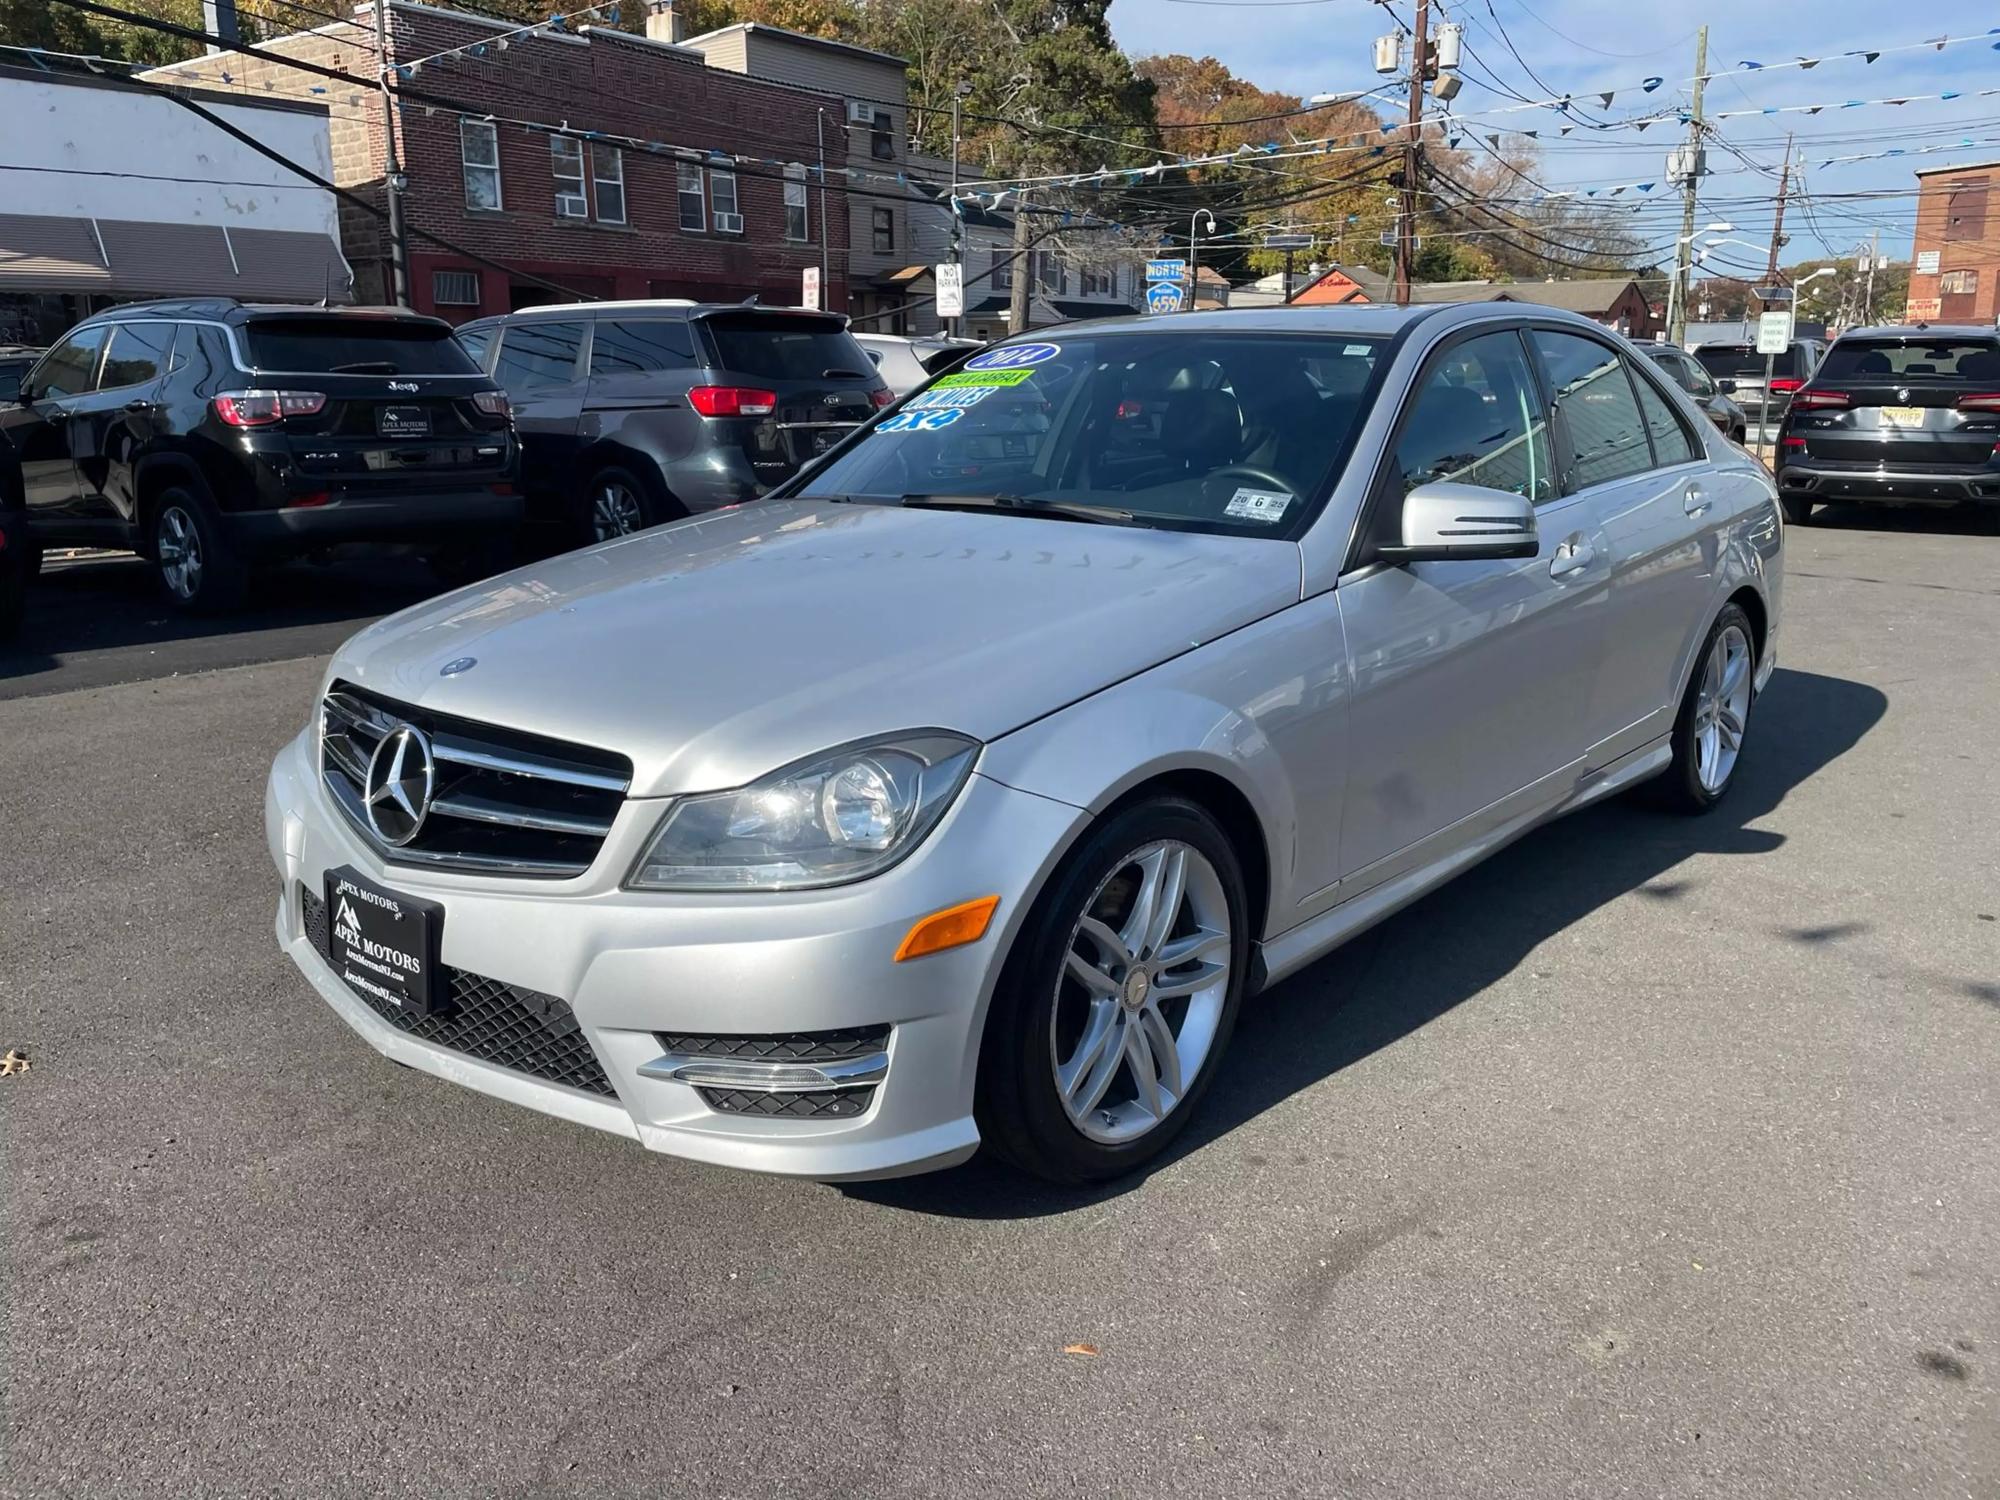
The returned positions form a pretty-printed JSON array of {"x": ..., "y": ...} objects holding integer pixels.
[
  {"x": 950, "y": 289},
  {"x": 1386, "y": 237},
  {"x": 1927, "y": 262},
  {"x": 1774, "y": 331},
  {"x": 1772, "y": 293},
  {"x": 1165, "y": 270},
  {"x": 809, "y": 292},
  {"x": 1288, "y": 242},
  {"x": 1923, "y": 310},
  {"x": 1164, "y": 297}
]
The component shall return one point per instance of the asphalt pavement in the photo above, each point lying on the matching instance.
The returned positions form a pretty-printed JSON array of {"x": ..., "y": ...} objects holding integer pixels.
[{"x": 1654, "y": 1157}]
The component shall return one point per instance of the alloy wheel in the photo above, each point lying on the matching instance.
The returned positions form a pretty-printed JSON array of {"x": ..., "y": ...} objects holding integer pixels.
[
  {"x": 1142, "y": 992},
  {"x": 1721, "y": 709},
  {"x": 179, "y": 547},
  {"x": 614, "y": 511}
]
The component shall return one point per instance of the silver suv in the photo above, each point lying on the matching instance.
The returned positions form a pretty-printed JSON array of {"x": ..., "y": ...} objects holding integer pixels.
[{"x": 961, "y": 790}]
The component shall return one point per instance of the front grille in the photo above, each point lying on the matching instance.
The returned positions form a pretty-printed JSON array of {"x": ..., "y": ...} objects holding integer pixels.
[
  {"x": 502, "y": 802},
  {"x": 782, "y": 1046},
  {"x": 827, "y": 1104},
  {"x": 499, "y": 1023}
]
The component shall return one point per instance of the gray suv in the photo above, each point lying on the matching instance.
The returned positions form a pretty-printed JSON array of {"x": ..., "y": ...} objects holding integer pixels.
[{"x": 634, "y": 413}]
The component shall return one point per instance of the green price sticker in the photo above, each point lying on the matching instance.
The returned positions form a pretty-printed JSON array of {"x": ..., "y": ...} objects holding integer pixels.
[{"x": 982, "y": 379}]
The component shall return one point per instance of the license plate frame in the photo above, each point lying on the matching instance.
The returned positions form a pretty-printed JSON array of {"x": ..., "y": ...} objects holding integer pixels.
[
  {"x": 1902, "y": 418},
  {"x": 384, "y": 944},
  {"x": 402, "y": 421}
]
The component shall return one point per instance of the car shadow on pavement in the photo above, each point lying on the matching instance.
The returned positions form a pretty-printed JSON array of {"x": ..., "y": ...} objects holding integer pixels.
[
  {"x": 1455, "y": 943},
  {"x": 1908, "y": 520}
]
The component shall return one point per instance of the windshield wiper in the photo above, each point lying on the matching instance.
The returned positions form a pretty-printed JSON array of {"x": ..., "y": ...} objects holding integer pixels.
[
  {"x": 366, "y": 367},
  {"x": 1064, "y": 510}
]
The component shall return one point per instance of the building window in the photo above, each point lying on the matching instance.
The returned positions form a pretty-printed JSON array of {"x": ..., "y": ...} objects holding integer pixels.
[
  {"x": 882, "y": 137},
  {"x": 455, "y": 288},
  {"x": 1099, "y": 283},
  {"x": 884, "y": 220},
  {"x": 798, "y": 222},
  {"x": 1965, "y": 209},
  {"x": 479, "y": 151},
  {"x": 566, "y": 163},
  {"x": 694, "y": 212},
  {"x": 1002, "y": 276},
  {"x": 722, "y": 194},
  {"x": 1958, "y": 283},
  {"x": 607, "y": 173},
  {"x": 1051, "y": 275}
]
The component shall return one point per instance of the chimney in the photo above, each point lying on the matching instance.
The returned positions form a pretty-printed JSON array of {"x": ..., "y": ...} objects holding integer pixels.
[{"x": 663, "y": 22}]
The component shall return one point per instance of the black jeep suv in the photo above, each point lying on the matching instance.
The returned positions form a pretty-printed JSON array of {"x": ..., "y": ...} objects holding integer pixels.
[
  {"x": 209, "y": 436},
  {"x": 1906, "y": 415}
]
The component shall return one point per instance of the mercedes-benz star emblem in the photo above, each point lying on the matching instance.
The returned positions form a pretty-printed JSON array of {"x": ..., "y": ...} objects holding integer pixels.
[
  {"x": 397, "y": 795},
  {"x": 458, "y": 664}
]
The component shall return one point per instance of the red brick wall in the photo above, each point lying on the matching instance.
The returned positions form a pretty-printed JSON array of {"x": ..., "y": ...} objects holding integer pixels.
[
  {"x": 1958, "y": 215},
  {"x": 606, "y": 84}
]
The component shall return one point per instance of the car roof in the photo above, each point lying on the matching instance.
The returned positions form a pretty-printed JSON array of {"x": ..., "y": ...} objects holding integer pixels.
[
  {"x": 1924, "y": 331},
  {"x": 237, "y": 314},
  {"x": 1380, "y": 318},
  {"x": 660, "y": 304}
]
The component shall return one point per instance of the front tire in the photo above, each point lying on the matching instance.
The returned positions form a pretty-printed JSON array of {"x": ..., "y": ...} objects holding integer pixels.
[
  {"x": 618, "y": 503},
  {"x": 199, "y": 571},
  {"x": 1714, "y": 717},
  {"x": 1119, "y": 997}
]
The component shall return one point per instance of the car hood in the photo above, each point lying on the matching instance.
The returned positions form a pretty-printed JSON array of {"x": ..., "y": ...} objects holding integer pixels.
[{"x": 719, "y": 649}]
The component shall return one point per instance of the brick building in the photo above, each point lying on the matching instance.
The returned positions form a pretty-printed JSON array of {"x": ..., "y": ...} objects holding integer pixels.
[
  {"x": 1955, "y": 277},
  {"x": 687, "y": 214}
]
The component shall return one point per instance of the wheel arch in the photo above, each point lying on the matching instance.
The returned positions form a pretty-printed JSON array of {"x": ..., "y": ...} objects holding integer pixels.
[
  {"x": 1219, "y": 797},
  {"x": 157, "y": 473},
  {"x": 610, "y": 453}
]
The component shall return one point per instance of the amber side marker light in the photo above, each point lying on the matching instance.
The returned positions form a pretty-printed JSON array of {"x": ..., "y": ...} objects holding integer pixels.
[{"x": 953, "y": 927}]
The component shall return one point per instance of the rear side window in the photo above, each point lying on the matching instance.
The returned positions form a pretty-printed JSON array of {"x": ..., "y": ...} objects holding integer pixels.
[
  {"x": 355, "y": 346},
  {"x": 1956, "y": 360},
  {"x": 1607, "y": 436},
  {"x": 138, "y": 354},
  {"x": 1671, "y": 443},
  {"x": 1742, "y": 361},
  {"x": 640, "y": 346},
  {"x": 536, "y": 356},
  {"x": 475, "y": 342},
  {"x": 779, "y": 348}
]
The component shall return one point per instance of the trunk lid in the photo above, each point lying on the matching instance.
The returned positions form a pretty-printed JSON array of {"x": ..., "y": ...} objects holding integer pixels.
[
  {"x": 820, "y": 378},
  {"x": 1903, "y": 404}
]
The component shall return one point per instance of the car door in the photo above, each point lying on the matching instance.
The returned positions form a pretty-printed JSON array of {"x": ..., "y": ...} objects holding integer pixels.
[
  {"x": 38, "y": 428},
  {"x": 1468, "y": 677},
  {"x": 541, "y": 369},
  {"x": 640, "y": 372},
  {"x": 1641, "y": 476},
  {"x": 113, "y": 425}
]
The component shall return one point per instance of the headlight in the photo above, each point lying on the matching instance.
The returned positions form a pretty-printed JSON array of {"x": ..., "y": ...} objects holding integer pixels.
[{"x": 841, "y": 816}]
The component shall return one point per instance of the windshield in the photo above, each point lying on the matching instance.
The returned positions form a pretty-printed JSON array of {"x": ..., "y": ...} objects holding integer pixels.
[
  {"x": 1212, "y": 431},
  {"x": 762, "y": 347},
  {"x": 1913, "y": 359},
  {"x": 360, "y": 346},
  {"x": 1743, "y": 362}
]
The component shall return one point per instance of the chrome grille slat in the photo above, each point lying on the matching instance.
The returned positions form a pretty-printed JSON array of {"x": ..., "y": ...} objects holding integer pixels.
[{"x": 505, "y": 802}]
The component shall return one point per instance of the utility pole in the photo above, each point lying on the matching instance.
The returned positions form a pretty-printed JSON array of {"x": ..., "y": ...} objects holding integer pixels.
[
  {"x": 1677, "y": 295},
  {"x": 826, "y": 286},
  {"x": 1778, "y": 220},
  {"x": 958, "y": 93},
  {"x": 1023, "y": 284},
  {"x": 1406, "y": 210},
  {"x": 392, "y": 176},
  {"x": 1868, "y": 298}
]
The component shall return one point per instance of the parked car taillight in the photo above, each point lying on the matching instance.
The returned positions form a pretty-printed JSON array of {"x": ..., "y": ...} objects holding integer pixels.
[
  {"x": 1980, "y": 401},
  {"x": 493, "y": 403},
  {"x": 262, "y": 408},
  {"x": 732, "y": 401},
  {"x": 1784, "y": 385},
  {"x": 1820, "y": 398},
  {"x": 882, "y": 396}
]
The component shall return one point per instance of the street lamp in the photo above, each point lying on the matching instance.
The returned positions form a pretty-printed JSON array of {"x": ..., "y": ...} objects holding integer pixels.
[
  {"x": 1346, "y": 96},
  {"x": 1194, "y": 253},
  {"x": 1677, "y": 291}
]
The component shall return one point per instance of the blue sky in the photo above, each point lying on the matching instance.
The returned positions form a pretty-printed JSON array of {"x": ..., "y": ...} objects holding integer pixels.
[{"x": 1315, "y": 47}]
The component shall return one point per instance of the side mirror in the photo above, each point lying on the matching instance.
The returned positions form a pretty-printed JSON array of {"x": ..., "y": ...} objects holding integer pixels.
[
  {"x": 1463, "y": 523},
  {"x": 1727, "y": 387}
]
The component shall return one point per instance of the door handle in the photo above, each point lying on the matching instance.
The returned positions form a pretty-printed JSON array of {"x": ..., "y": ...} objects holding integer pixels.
[
  {"x": 1694, "y": 502},
  {"x": 58, "y": 414},
  {"x": 1572, "y": 557},
  {"x": 138, "y": 406}
]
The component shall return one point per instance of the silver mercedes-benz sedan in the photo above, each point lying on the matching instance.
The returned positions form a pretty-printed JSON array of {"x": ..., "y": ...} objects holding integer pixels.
[{"x": 960, "y": 791}]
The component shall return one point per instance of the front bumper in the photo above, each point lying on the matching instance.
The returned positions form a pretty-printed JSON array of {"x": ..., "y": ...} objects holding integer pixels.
[
  {"x": 633, "y": 965},
  {"x": 1939, "y": 486}
]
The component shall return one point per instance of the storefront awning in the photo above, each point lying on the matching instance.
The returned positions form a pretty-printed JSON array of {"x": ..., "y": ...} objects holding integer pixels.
[{"x": 146, "y": 258}]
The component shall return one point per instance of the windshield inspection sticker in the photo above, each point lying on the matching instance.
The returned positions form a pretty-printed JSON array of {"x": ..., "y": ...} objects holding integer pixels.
[
  {"x": 919, "y": 421},
  {"x": 1014, "y": 356},
  {"x": 955, "y": 398},
  {"x": 986, "y": 380},
  {"x": 1267, "y": 506}
]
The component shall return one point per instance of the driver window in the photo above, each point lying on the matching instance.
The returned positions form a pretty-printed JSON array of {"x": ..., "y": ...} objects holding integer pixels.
[
  {"x": 1476, "y": 417},
  {"x": 70, "y": 369}
]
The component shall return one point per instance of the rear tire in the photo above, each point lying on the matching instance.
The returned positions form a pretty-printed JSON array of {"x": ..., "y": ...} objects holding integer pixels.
[
  {"x": 199, "y": 571},
  {"x": 1798, "y": 509},
  {"x": 1710, "y": 730},
  {"x": 1107, "y": 1027}
]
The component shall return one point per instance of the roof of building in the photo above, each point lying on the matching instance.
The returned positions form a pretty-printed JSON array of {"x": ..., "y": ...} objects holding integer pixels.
[
  {"x": 1965, "y": 166},
  {"x": 1591, "y": 295},
  {"x": 762, "y": 29},
  {"x": 61, "y": 71}
]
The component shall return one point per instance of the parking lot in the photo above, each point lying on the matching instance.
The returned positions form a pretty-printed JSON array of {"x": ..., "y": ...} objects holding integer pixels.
[{"x": 1652, "y": 1157}]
